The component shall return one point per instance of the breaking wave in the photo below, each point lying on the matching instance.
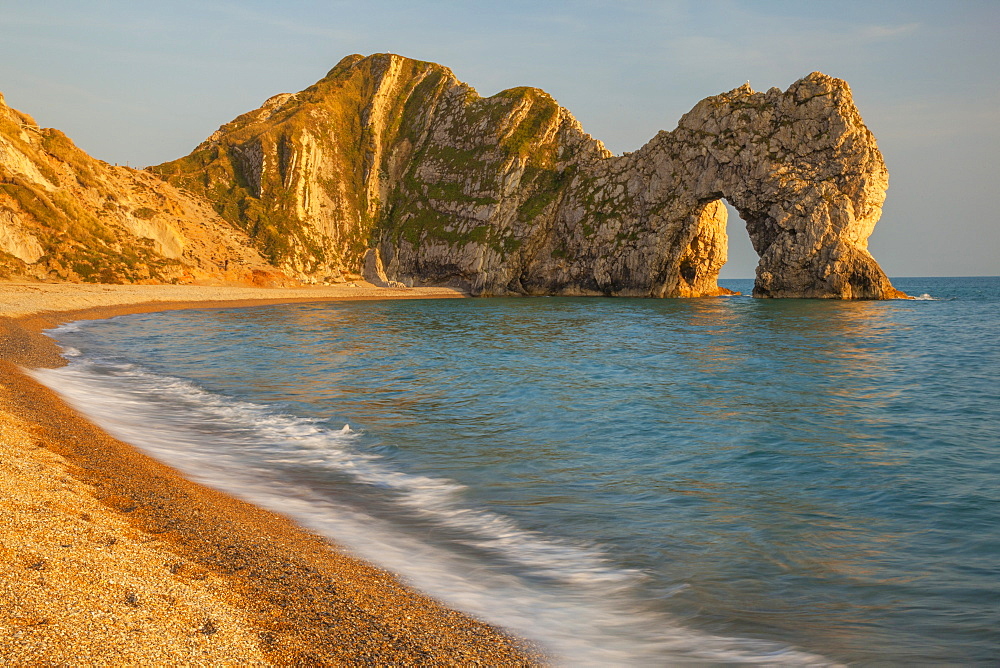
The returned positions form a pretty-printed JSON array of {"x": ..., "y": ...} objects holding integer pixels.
[{"x": 566, "y": 595}]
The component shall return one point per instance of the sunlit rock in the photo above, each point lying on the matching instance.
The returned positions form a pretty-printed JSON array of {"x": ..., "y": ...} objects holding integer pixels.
[
  {"x": 67, "y": 216},
  {"x": 510, "y": 196}
]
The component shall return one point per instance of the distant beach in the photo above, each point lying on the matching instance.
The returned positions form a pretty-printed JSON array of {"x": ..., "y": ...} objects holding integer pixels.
[{"x": 114, "y": 557}]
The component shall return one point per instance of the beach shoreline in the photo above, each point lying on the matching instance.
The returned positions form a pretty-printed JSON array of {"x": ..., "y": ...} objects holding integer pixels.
[{"x": 115, "y": 557}]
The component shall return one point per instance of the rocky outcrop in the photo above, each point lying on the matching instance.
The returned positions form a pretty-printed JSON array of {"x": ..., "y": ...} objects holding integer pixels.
[
  {"x": 509, "y": 195},
  {"x": 66, "y": 216},
  {"x": 373, "y": 271},
  {"x": 799, "y": 166},
  {"x": 393, "y": 168}
]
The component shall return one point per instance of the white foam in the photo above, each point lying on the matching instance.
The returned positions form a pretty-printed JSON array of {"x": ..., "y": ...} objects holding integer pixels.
[
  {"x": 567, "y": 596},
  {"x": 68, "y": 327}
]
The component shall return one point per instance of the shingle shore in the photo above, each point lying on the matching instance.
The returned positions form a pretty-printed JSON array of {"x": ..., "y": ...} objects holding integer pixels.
[{"x": 109, "y": 557}]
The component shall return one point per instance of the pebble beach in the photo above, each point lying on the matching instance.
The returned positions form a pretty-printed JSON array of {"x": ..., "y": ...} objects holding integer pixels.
[{"x": 113, "y": 558}]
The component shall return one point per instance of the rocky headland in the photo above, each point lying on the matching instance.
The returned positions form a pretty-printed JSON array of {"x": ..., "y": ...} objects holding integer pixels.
[{"x": 394, "y": 168}]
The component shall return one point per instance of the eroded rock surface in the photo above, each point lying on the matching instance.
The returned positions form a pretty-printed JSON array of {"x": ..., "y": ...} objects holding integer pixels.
[
  {"x": 394, "y": 168},
  {"x": 66, "y": 216},
  {"x": 799, "y": 166},
  {"x": 510, "y": 195}
]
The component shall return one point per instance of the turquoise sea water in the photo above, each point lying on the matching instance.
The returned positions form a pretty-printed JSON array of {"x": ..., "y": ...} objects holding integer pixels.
[{"x": 627, "y": 481}]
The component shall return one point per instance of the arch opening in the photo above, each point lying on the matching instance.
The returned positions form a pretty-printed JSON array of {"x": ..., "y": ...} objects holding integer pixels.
[
  {"x": 742, "y": 259},
  {"x": 718, "y": 235}
]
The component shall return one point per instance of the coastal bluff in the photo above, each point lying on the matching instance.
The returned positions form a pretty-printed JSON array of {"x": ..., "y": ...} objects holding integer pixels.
[
  {"x": 68, "y": 217},
  {"x": 394, "y": 169}
]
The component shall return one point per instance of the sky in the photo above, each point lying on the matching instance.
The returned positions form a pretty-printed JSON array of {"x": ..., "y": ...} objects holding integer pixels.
[{"x": 139, "y": 82}]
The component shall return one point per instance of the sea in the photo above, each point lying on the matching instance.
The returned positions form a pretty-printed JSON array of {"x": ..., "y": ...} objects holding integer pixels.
[{"x": 639, "y": 482}]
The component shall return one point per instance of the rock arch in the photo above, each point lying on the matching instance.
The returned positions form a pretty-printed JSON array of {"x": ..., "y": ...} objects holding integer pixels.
[
  {"x": 508, "y": 194},
  {"x": 799, "y": 166}
]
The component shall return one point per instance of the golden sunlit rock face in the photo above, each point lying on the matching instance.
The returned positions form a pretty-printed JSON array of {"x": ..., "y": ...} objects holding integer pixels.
[
  {"x": 396, "y": 160},
  {"x": 66, "y": 216}
]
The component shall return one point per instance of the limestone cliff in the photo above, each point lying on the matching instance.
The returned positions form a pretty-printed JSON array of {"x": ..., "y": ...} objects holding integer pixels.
[
  {"x": 394, "y": 167},
  {"x": 509, "y": 195},
  {"x": 387, "y": 148},
  {"x": 66, "y": 216},
  {"x": 799, "y": 166}
]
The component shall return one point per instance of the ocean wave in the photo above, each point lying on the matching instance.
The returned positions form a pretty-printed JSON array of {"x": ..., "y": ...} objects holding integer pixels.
[{"x": 568, "y": 596}]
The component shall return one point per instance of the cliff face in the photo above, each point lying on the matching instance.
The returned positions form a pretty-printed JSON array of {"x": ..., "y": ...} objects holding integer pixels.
[
  {"x": 66, "y": 216},
  {"x": 508, "y": 194},
  {"x": 799, "y": 166},
  {"x": 394, "y": 168},
  {"x": 382, "y": 147}
]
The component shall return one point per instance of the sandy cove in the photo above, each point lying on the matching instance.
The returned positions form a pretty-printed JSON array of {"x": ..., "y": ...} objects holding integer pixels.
[{"x": 112, "y": 558}]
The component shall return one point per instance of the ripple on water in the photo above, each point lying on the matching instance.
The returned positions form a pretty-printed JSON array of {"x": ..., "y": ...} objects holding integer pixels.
[{"x": 629, "y": 481}]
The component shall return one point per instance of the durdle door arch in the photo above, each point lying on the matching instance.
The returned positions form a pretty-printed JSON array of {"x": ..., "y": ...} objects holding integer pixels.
[
  {"x": 800, "y": 168},
  {"x": 509, "y": 195}
]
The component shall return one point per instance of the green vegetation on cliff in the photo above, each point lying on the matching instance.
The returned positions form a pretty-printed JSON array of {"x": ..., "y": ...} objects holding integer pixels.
[
  {"x": 382, "y": 148},
  {"x": 505, "y": 193}
]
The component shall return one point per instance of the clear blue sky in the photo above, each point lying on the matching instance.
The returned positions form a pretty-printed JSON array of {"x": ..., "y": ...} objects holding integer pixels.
[{"x": 143, "y": 82}]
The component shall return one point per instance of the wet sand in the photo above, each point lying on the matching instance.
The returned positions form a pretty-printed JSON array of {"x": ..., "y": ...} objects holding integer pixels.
[{"x": 112, "y": 558}]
